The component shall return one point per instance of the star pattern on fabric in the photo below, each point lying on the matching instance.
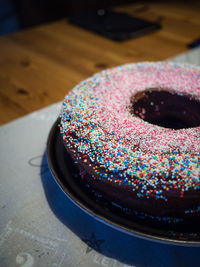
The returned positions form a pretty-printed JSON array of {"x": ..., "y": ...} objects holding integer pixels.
[{"x": 93, "y": 243}]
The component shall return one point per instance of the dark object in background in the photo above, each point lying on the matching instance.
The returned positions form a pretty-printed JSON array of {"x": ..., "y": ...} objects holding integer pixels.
[
  {"x": 194, "y": 44},
  {"x": 9, "y": 20},
  {"x": 36, "y": 12},
  {"x": 113, "y": 25}
]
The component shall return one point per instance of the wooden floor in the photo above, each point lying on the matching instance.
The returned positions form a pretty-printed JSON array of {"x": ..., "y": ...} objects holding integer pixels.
[{"x": 39, "y": 66}]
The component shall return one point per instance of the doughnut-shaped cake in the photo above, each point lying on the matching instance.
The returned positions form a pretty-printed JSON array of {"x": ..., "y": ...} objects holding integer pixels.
[{"x": 134, "y": 134}]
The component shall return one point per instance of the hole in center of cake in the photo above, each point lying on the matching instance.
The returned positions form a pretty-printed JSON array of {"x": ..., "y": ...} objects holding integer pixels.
[{"x": 166, "y": 108}]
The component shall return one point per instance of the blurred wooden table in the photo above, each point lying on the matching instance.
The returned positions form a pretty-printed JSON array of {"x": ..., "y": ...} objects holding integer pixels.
[{"x": 39, "y": 66}]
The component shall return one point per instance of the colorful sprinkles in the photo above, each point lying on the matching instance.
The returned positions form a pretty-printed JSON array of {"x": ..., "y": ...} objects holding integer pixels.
[{"x": 151, "y": 160}]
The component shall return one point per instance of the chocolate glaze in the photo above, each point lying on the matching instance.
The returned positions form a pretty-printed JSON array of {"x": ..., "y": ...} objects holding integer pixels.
[
  {"x": 166, "y": 108},
  {"x": 125, "y": 197}
]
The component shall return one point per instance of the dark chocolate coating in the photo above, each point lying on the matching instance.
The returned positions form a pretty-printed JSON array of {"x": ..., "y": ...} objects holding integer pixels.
[
  {"x": 167, "y": 108},
  {"x": 122, "y": 195},
  {"x": 164, "y": 108}
]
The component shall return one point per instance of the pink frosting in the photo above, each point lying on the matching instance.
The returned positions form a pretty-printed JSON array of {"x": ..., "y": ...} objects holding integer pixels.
[{"x": 115, "y": 92}]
